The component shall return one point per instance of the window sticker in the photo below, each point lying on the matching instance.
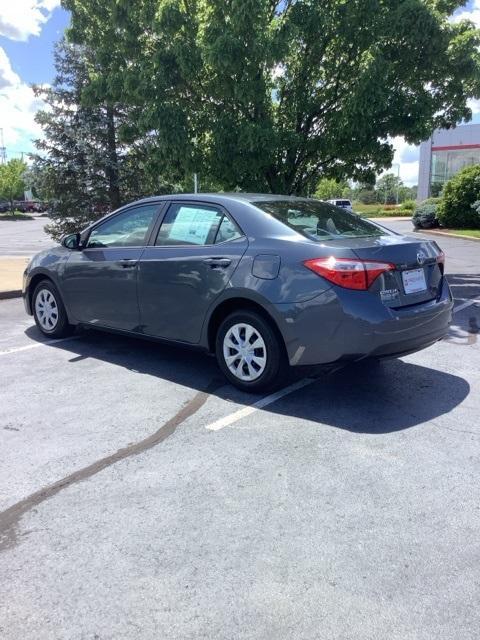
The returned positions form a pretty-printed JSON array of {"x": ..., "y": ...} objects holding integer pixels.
[{"x": 193, "y": 225}]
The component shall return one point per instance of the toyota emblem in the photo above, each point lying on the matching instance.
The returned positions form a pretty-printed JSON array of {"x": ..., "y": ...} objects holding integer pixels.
[{"x": 421, "y": 257}]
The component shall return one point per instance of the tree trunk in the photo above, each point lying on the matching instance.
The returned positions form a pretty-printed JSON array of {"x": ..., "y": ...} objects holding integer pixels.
[{"x": 112, "y": 165}]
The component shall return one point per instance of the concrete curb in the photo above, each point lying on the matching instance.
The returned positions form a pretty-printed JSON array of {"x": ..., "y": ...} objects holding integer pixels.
[
  {"x": 445, "y": 234},
  {"x": 6, "y": 295},
  {"x": 390, "y": 218}
]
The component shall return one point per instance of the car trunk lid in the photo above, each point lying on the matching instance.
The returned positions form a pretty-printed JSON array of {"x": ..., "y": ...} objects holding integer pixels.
[{"x": 417, "y": 276}]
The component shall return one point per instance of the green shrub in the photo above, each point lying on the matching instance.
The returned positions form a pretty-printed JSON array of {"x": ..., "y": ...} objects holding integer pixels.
[
  {"x": 425, "y": 216},
  {"x": 431, "y": 201},
  {"x": 408, "y": 205},
  {"x": 476, "y": 207},
  {"x": 459, "y": 195}
]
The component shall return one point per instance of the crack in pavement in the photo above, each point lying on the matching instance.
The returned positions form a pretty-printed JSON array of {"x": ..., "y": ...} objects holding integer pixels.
[{"x": 9, "y": 519}]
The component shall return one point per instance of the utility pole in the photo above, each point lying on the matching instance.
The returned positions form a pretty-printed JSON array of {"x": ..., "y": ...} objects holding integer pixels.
[
  {"x": 3, "y": 151},
  {"x": 396, "y": 164},
  {"x": 195, "y": 183}
]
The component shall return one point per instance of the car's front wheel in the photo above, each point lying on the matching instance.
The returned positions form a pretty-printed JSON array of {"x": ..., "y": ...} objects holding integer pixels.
[
  {"x": 49, "y": 311},
  {"x": 250, "y": 353}
]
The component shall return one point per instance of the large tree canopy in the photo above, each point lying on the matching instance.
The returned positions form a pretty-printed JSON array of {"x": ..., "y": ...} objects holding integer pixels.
[{"x": 269, "y": 95}]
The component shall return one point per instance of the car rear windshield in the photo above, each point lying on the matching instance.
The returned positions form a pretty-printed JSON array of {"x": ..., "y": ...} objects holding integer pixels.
[{"x": 319, "y": 220}]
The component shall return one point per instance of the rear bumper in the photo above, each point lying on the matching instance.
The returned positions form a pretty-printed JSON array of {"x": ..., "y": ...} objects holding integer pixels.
[{"x": 342, "y": 324}]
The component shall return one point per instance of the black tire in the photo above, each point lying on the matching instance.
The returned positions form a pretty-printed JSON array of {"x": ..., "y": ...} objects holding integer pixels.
[
  {"x": 60, "y": 327},
  {"x": 276, "y": 368}
]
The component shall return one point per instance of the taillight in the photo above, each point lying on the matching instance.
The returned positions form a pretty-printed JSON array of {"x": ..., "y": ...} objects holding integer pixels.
[
  {"x": 347, "y": 272},
  {"x": 441, "y": 261}
]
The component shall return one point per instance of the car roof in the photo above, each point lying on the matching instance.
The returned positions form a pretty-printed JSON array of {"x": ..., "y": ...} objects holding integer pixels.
[{"x": 223, "y": 197}]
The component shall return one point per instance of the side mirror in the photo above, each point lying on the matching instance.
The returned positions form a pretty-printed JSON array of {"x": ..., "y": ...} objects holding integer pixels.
[{"x": 72, "y": 241}]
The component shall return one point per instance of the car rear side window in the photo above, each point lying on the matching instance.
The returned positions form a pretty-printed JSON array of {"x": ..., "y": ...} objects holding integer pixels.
[
  {"x": 227, "y": 230},
  {"x": 186, "y": 224},
  {"x": 318, "y": 220}
]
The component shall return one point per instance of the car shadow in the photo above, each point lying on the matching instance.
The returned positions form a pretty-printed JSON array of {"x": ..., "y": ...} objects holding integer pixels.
[
  {"x": 379, "y": 397},
  {"x": 365, "y": 397}
]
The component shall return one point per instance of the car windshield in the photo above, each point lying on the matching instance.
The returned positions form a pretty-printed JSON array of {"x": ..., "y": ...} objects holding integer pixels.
[{"x": 318, "y": 220}]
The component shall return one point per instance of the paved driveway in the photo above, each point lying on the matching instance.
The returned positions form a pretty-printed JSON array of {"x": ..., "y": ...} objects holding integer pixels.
[
  {"x": 23, "y": 237},
  {"x": 142, "y": 497}
]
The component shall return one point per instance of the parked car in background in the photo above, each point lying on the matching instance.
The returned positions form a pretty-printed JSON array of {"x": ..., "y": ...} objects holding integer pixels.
[
  {"x": 40, "y": 206},
  {"x": 4, "y": 206},
  {"x": 29, "y": 206},
  {"x": 342, "y": 203},
  {"x": 264, "y": 282}
]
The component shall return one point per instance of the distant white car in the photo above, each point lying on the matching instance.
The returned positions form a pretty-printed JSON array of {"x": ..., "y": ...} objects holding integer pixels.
[{"x": 342, "y": 203}]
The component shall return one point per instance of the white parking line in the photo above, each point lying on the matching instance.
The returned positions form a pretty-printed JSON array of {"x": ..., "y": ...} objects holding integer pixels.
[
  {"x": 465, "y": 305},
  {"x": 34, "y": 345},
  {"x": 263, "y": 402}
]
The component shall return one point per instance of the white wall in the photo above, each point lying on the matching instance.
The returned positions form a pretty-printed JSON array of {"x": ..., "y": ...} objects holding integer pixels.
[
  {"x": 465, "y": 134},
  {"x": 424, "y": 170}
]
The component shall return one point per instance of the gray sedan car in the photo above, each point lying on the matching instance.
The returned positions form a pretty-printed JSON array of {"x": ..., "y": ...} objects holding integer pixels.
[{"x": 265, "y": 282}]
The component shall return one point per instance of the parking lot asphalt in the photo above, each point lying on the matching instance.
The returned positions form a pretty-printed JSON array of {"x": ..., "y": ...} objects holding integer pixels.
[
  {"x": 23, "y": 237},
  {"x": 143, "y": 497}
]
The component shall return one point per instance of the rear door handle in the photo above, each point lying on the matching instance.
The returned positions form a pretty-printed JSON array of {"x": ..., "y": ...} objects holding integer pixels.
[
  {"x": 218, "y": 262},
  {"x": 126, "y": 263}
]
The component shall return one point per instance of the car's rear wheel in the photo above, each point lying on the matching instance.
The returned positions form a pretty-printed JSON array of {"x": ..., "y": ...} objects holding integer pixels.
[
  {"x": 49, "y": 311},
  {"x": 250, "y": 353}
]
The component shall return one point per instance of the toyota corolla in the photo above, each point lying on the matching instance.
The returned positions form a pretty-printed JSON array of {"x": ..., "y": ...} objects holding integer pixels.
[{"x": 264, "y": 282}]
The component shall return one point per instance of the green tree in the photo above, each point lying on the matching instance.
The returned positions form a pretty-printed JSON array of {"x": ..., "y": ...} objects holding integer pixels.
[
  {"x": 269, "y": 95},
  {"x": 407, "y": 193},
  {"x": 12, "y": 183},
  {"x": 82, "y": 168},
  {"x": 460, "y": 195},
  {"x": 329, "y": 188},
  {"x": 365, "y": 193},
  {"x": 388, "y": 187}
]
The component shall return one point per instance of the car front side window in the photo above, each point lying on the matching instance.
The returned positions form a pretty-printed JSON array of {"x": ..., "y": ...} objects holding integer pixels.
[{"x": 127, "y": 229}]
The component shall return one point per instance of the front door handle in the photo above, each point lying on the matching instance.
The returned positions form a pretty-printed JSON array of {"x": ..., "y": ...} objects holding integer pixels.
[
  {"x": 127, "y": 263},
  {"x": 218, "y": 262}
]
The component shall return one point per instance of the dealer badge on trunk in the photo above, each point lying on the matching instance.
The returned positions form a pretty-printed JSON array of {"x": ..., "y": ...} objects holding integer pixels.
[{"x": 421, "y": 257}]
